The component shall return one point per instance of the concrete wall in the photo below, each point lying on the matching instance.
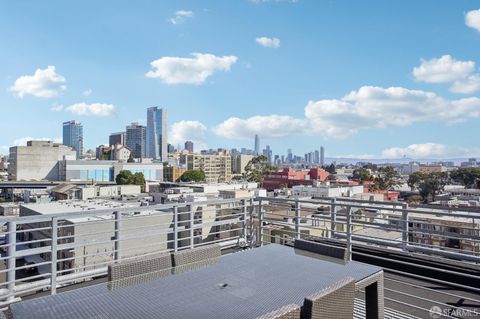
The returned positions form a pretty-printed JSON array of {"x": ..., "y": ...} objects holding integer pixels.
[{"x": 37, "y": 161}]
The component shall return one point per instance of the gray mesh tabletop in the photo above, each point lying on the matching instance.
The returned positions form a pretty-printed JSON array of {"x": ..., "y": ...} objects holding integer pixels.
[{"x": 243, "y": 285}]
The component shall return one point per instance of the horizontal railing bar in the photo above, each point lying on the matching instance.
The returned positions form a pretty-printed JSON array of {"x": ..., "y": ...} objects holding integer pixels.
[
  {"x": 107, "y": 211},
  {"x": 417, "y": 307},
  {"x": 421, "y": 266},
  {"x": 430, "y": 289},
  {"x": 427, "y": 300}
]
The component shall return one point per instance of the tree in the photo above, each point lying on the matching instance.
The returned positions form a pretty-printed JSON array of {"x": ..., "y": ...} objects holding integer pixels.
[
  {"x": 469, "y": 177},
  {"x": 387, "y": 178},
  {"x": 331, "y": 169},
  {"x": 126, "y": 177},
  {"x": 414, "y": 180},
  {"x": 428, "y": 185},
  {"x": 362, "y": 175},
  {"x": 139, "y": 179},
  {"x": 193, "y": 175},
  {"x": 130, "y": 159},
  {"x": 257, "y": 168}
]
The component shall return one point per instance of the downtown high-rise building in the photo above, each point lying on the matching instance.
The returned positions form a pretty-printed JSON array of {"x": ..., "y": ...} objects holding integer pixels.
[
  {"x": 257, "y": 145},
  {"x": 189, "y": 146},
  {"x": 117, "y": 138},
  {"x": 135, "y": 140},
  {"x": 322, "y": 155},
  {"x": 157, "y": 133},
  {"x": 316, "y": 157},
  {"x": 73, "y": 136},
  {"x": 267, "y": 152}
]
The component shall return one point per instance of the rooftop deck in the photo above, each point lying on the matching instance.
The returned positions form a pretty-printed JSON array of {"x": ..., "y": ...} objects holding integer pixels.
[{"x": 431, "y": 261}]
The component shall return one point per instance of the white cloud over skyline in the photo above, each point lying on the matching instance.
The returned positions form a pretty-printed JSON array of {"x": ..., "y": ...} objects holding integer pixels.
[
  {"x": 94, "y": 109},
  {"x": 195, "y": 70},
  {"x": 472, "y": 19},
  {"x": 44, "y": 83},
  {"x": 183, "y": 131},
  {"x": 268, "y": 42},
  {"x": 430, "y": 150},
  {"x": 181, "y": 16},
  {"x": 368, "y": 107}
]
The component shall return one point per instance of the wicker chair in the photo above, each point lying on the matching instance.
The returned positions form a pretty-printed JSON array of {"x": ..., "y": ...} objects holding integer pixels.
[
  {"x": 335, "y": 301},
  {"x": 160, "y": 264},
  {"x": 190, "y": 259},
  {"x": 291, "y": 311},
  {"x": 322, "y": 249}
]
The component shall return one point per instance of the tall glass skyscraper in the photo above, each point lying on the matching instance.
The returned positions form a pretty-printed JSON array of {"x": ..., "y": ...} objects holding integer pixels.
[
  {"x": 157, "y": 133},
  {"x": 135, "y": 139},
  {"x": 73, "y": 136},
  {"x": 257, "y": 145}
]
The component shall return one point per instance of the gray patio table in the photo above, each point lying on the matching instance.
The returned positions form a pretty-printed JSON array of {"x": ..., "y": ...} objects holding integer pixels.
[{"x": 245, "y": 284}]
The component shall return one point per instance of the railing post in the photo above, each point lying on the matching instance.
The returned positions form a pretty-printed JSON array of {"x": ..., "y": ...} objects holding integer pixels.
[
  {"x": 297, "y": 219},
  {"x": 250, "y": 226},
  {"x": 260, "y": 222},
  {"x": 333, "y": 218},
  {"x": 11, "y": 253},
  {"x": 349, "y": 232},
  {"x": 404, "y": 226},
  {"x": 175, "y": 228},
  {"x": 191, "y": 216},
  {"x": 243, "y": 202},
  {"x": 118, "y": 226},
  {"x": 53, "y": 258}
]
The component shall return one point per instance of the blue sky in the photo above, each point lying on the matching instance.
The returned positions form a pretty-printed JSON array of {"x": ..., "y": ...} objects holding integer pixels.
[{"x": 299, "y": 73}]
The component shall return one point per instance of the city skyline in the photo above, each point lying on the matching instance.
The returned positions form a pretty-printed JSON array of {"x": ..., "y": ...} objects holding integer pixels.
[{"x": 286, "y": 76}]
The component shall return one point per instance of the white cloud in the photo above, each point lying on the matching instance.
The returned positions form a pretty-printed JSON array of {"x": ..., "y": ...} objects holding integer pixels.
[
  {"x": 22, "y": 141},
  {"x": 181, "y": 16},
  {"x": 95, "y": 109},
  {"x": 87, "y": 92},
  {"x": 188, "y": 131},
  {"x": 268, "y": 42},
  {"x": 430, "y": 150},
  {"x": 443, "y": 70},
  {"x": 269, "y": 126},
  {"x": 177, "y": 70},
  {"x": 467, "y": 86},
  {"x": 56, "y": 107},
  {"x": 448, "y": 70},
  {"x": 472, "y": 19},
  {"x": 368, "y": 107},
  {"x": 43, "y": 83}
]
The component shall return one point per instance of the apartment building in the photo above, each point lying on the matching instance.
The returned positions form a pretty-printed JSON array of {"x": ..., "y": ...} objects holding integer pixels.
[{"x": 217, "y": 167}]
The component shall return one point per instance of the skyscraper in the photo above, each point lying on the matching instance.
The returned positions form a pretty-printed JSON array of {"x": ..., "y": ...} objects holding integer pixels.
[
  {"x": 289, "y": 156},
  {"x": 116, "y": 139},
  {"x": 322, "y": 155},
  {"x": 73, "y": 136},
  {"x": 189, "y": 146},
  {"x": 157, "y": 133},
  {"x": 136, "y": 140},
  {"x": 267, "y": 152},
  {"x": 316, "y": 158},
  {"x": 257, "y": 145}
]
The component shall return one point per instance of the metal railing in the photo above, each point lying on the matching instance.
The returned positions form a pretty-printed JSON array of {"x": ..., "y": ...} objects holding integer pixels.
[
  {"x": 47, "y": 251},
  {"x": 439, "y": 235}
]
